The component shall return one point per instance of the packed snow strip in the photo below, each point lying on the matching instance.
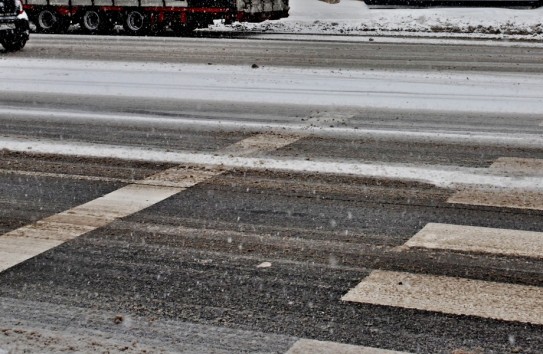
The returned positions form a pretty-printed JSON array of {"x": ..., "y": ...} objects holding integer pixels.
[
  {"x": 447, "y": 91},
  {"x": 440, "y": 176},
  {"x": 354, "y": 17},
  {"x": 220, "y": 124}
]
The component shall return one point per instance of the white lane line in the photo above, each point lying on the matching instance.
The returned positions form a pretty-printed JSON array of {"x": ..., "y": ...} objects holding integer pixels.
[
  {"x": 458, "y": 296},
  {"x": 223, "y": 124},
  {"x": 519, "y": 165},
  {"x": 304, "y": 346},
  {"x": 28, "y": 241},
  {"x": 441, "y": 176},
  {"x": 479, "y": 239},
  {"x": 500, "y": 197}
]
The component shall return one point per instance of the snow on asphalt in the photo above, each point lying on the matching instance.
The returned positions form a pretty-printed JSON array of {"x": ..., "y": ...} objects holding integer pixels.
[
  {"x": 354, "y": 17},
  {"x": 443, "y": 91},
  {"x": 440, "y": 176}
]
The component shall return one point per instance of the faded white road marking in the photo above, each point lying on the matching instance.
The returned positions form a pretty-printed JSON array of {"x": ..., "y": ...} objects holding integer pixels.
[
  {"x": 304, "y": 346},
  {"x": 501, "y": 301},
  {"x": 260, "y": 143},
  {"x": 519, "y": 198},
  {"x": 500, "y": 197},
  {"x": 519, "y": 165},
  {"x": 181, "y": 177},
  {"x": 441, "y": 176},
  {"x": 31, "y": 240},
  {"x": 479, "y": 239},
  {"x": 28, "y": 241}
]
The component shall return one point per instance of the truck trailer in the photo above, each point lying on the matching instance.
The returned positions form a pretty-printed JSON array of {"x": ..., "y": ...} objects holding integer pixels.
[{"x": 142, "y": 17}]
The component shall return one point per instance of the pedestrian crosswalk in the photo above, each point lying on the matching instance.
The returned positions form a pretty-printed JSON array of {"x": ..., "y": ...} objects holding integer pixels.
[
  {"x": 31, "y": 240},
  {"x": 462, "y": 296},
  {"x": 426, "y": 292}
]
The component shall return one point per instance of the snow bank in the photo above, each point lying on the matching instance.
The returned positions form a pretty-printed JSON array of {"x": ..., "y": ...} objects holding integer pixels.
[{"x": 354, "y": 17}]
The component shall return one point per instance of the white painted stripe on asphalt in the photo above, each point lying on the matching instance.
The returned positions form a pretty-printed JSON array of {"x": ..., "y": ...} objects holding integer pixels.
[
  {"x": 518, "y": 198},
  {"x": 181, "y": 177},
  {"x": 31, "y": 240},
  {"x": 458, "y": 296},
  {"x": 500, "y": 197},
  {"x": 441, "y": 176},
  {"x": 28, "y": 241},
  {"x": 304, "y": 346},
  {"x": 479, "y": 239},
  {"x": 16, "y": 249},
  {"x": 519, "y": 165},
  {"x": 227, "y": 125}
]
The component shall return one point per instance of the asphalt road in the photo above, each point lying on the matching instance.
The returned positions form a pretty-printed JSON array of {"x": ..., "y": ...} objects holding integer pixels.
[
  {"x": 363, "y": 54},
  {"x": 269, "y": 213}
]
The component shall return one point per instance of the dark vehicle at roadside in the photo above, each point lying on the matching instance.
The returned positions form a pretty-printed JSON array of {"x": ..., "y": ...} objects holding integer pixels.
[{"x": 14, "y": 25}]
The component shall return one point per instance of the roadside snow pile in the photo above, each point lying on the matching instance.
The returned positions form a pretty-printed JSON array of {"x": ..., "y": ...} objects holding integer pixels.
[{"x": 354, "y": 17}]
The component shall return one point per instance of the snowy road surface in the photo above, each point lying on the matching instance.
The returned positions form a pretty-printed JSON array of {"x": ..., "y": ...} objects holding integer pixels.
[
  {"x": 447, "y": 91},
  {"x": 347, "y": 203}
]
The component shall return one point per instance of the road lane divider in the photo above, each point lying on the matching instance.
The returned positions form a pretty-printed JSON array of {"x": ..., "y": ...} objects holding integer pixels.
[
  {"x": 479, "y": 240},
  {"x": 31, "y": 240},
  {"x": 457, "y": 296},
  {"x": 312, "y": 346}
]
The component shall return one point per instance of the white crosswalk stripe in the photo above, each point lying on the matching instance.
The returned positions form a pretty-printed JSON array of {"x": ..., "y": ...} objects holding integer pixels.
[
  {"x": 518, "y": 198},
  {"x": 518, "y": 165},
  {"x": 304, "y": 346},
  {"x": 459, "y": 296},
  {"x": 499, "y": 197},
  {"x": 479, "y": 239}
]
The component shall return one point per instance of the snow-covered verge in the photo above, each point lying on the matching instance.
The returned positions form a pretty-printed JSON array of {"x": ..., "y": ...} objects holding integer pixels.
[{"x": 355, "y": 18}]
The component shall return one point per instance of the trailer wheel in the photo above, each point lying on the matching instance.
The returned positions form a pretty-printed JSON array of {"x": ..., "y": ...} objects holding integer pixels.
[
  {"x": 136, "y": 23},
  {"x": 94, "y": 22},
  {"x": 48, "y": 21}
]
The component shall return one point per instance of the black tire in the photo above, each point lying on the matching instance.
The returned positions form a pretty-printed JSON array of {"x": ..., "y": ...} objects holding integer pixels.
[
  {"x": 13, "y": 45},
  {"x": 93, "y": 22},
  {"x": 136, "y": 23},
  {"x": 48, "y": 21}
]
